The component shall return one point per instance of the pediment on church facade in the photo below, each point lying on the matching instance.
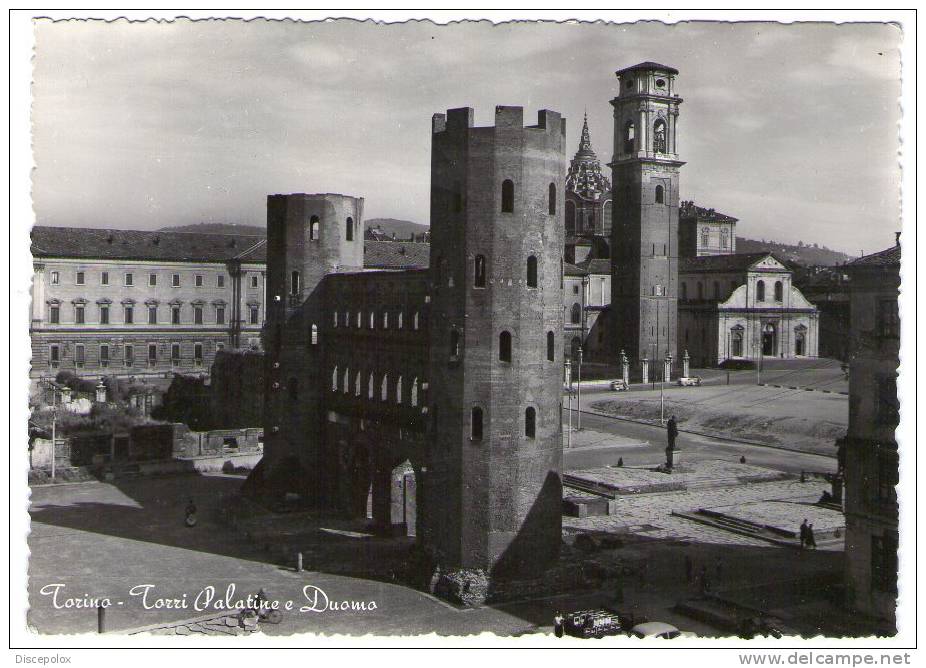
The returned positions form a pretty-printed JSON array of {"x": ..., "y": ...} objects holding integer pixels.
[{"x": 768, "y": 263}]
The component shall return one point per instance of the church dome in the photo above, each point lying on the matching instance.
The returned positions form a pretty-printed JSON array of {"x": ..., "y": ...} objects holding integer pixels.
[{"x": 584, "y": 178}]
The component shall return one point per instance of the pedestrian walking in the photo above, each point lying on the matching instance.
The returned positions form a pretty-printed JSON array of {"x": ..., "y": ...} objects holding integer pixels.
[
  {"x": 811, "y": 539},
  {"x": 803, "y": 534},
  {"x": 190, "y": 514},
  {"x": 689, "y": 569},
  {"x": 558, "y": 624}
]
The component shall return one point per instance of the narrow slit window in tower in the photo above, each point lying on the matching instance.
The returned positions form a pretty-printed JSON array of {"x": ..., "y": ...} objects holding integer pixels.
[
  {"x": 479, "y": 271},
  {"x": 504, "y": 347},
  {"x": 552, "y": 199},
  {"x": 532, "y": 272},
  {"x": 475, "y": 424},
  {"x": 507, "y": 196},
  {"x": 349, "y": 228},
  {"x": 530, "y": 422}
]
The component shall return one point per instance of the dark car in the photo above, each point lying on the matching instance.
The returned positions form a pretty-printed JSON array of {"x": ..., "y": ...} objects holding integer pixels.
[{"x": 592, "y": 624}]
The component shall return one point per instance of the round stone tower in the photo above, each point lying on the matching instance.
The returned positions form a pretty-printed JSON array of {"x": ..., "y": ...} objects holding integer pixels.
[
  {"x": 496, "y": 320},
  {"x": 308, "y": 237}
]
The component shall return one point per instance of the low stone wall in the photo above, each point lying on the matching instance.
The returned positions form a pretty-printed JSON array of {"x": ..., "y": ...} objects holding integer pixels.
[{"x": 218, "y": 463}]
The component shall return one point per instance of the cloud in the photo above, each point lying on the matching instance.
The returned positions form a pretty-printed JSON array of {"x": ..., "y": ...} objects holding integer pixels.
[{"x": 153, "y": 124}]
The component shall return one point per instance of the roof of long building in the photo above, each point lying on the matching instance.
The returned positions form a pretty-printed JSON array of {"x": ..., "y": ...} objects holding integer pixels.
[
  {"x": 103, "y": 244},
  {"x": 688, "y": 210},
  {"x": 889, "y": 256},
  {"x": 396, "y": 255},
  {"x": 597, "y": 265},
  {"x": 734, "y": 262},
  {"x": 167, "y": 246}
]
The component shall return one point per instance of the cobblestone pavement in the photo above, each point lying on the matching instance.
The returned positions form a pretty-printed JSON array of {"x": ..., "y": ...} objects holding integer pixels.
[
  {"x": 786, "y": 515},
  {"x": 653, "y": 512}
]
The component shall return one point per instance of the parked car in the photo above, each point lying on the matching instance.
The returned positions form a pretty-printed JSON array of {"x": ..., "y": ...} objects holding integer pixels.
[
  {"x": 689, "y": 381},
  {"x": 659, "y": 630},
  {"x": 619, "y": 386},
  {"x": 592, "y": 624}
]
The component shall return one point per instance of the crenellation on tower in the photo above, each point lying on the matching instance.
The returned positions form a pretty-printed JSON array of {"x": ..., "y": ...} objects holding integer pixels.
[{"x": 496, "y": 269}]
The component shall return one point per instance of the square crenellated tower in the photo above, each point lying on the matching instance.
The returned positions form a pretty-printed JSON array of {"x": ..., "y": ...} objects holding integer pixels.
[{"x": 496, "y": 359}]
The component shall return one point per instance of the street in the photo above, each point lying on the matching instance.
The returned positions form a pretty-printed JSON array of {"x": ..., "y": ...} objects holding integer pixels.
[{"x": 652, "y": 440}]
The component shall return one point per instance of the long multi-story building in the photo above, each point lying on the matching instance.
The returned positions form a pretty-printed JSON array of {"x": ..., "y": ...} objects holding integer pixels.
[
  {"x": 870, "y": 452},
  {"x": 133, "y": 303}
]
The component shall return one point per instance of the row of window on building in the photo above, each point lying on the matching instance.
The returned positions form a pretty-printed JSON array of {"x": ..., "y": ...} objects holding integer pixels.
[
  {"x": 659, "y": 136},
  {"x": 128, "y": 360},
  {"x": 760, "y": 290},
  {"x": 315, "y": 229},
  {"x": 504, "y": 346},
  {"x": 480, "y": 272},
  {"x": 128, "y": 314},
  {"x": 348, "y": 382},
  {"x": 476, "y": 420},
  {"x": 344, "y": 319},
  {"x": 128, "y": 279},
  {"x": 458, "y": 204}
]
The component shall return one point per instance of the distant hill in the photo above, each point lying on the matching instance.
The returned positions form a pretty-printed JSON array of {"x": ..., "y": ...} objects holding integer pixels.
[
  {"x": 220, "y": 228},
  {"x": 403, "y": 228},
  {"x": 801, "y": 255}
]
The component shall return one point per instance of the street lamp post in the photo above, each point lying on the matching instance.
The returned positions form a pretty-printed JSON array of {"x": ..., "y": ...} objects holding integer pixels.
[
  {"x": 579, "y": 394},
  {"x": 54, "y": 425},
  {"x": 569, "y": 400},
  {"x": 667, "y": 365}
]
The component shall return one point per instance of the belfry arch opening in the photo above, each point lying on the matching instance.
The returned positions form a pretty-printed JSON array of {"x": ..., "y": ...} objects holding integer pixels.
[{"x": 629, "y": 137}]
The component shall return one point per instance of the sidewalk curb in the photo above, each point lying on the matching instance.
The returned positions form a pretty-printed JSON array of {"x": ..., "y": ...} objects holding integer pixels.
[{"x": 708, "y": 435}]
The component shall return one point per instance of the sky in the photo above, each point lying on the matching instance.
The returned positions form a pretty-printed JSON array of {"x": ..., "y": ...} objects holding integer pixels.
[{"x": 793, "y": 129}]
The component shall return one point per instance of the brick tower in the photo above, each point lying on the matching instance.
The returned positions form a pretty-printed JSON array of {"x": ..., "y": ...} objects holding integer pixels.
[
  {"x": 644, "y": 246},
  {"x": 495, "y": 355},
  {"x": 308, "y": 237}
]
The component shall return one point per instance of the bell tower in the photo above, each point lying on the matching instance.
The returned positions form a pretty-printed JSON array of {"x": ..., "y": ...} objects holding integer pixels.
[{"x": 644, "y": 237}]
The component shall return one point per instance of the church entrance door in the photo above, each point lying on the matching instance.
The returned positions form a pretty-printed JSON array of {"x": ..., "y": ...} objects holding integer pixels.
[{"x": 769, "y": 339}]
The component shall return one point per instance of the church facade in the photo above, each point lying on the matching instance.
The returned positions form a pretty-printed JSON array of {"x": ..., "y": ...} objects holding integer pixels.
[
  {"x": 677, "y": 283},
  {"x": 742, "y": 306}
]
